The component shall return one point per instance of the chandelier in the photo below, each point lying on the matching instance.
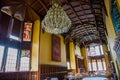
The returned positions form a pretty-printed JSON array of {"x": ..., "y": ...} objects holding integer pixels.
[{"x": 56, "y": 20}]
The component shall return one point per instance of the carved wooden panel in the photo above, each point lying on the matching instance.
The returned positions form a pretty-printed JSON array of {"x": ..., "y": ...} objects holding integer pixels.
[
  {"x": 48, "y": 71},
  {"x": 18, "y": 76}
]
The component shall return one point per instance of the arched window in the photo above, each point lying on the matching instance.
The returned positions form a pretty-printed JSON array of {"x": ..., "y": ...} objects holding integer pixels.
[
  {"x": 96, "y": 61},
  {"x": 95, "y": 51},
  {"x": 12, "y": 45},
  {"x": 25, "y": 60}
]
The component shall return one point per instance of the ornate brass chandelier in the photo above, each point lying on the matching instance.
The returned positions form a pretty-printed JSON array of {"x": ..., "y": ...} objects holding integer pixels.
[{"x": 56, "y": 20}]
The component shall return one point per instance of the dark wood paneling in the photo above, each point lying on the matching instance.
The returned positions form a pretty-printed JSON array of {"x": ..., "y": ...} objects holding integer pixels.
[
  {"x": 18, "y": 76},
  {"x": 68, "y": 51},
  {"x": 53, "y": 71},
  {"x": 4, "y": 23},
  {"x": 16, "y": 27},
  {"x": 26, "y": 45}
]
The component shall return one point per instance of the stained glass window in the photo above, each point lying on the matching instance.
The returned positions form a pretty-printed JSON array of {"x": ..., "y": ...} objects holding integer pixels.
[
  {"x": 95, "y": 51},
  {"x": 19, "y": 38},
  {"x": 27, "y": 32},
  {"x": 92, "y": 51},
  {"x": 96, "y": 64},
  {"x": 25, "y": 60}
]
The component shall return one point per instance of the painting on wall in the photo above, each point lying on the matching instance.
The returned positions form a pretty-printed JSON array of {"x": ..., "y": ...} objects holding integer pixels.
[
  {"x": 56, "y": 48},
  {"x": 27, "y": 31}
]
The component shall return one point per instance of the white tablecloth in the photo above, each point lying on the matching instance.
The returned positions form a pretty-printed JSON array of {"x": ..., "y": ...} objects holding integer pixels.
[
  {"x": 54, "y": 79},
  {"x": 94, "y": 78}
]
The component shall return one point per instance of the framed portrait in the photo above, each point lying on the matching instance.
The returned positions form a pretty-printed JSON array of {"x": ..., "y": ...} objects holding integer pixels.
[
  {"x": 56, "y": 48},
  {"x": 27, "y": 31}
]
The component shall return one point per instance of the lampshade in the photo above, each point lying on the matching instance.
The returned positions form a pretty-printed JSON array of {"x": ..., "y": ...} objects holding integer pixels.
[{"x": 56, "y": 20}]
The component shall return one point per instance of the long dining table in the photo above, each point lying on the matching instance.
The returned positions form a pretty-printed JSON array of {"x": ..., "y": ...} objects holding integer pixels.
[{"x": 94, "y": 78}]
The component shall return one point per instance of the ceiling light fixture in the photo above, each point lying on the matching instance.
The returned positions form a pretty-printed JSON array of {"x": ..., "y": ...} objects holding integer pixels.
[{"x": 56, "y": 20}]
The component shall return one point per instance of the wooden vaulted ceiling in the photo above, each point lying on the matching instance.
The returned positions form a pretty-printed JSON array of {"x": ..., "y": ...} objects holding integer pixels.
[{"x": 87, "y": 17}]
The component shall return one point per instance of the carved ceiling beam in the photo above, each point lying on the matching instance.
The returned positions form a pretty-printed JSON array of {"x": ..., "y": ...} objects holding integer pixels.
[
  {"x": 76, "y": 7},
  {"x": 32, "y": 4},
  {"x": 9, "y": 3},
  {"x": 94, "y": 41},
  {"x": 104, "y": 26},
  {"x": 73, "y": 11},
  {"x": 80, "y": 29},
  {"x": 84, "y": 39},
  {"x": 87, "y": 17},
  {"x": 78, "y": 18},
  {"x": 95, "y": 20},
  {"x": 41, "y": 10},
  {"x": 67, "y": 2},
  {"x": 85, "y": 35},
  {"x": 41, "y": 2}
]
